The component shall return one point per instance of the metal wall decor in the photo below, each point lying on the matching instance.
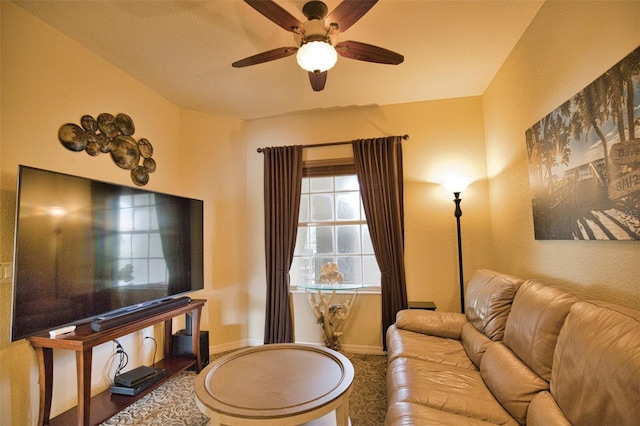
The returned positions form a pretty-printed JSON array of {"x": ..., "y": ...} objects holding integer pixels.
[
  {"x": 584, "y": 160},
  {"x": 114, "y": 135}
]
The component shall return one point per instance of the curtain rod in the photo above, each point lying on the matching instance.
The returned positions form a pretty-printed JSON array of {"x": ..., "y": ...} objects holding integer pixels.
[{"x": 316, "y": 145}]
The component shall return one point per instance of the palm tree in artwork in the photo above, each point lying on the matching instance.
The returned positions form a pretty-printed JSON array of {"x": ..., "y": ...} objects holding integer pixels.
[
  {"x": 590, "y": 107},
  {"x": 548, "y": 145},
  {"x": 629, "y": 69},
  {"x": 615, "y": 99},
  {"x": 534, "y": 140},
  {"x": 620, "y": 94}
]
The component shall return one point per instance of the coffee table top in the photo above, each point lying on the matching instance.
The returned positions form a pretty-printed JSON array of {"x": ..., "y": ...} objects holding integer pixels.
[{"x": 275, "y": 381}]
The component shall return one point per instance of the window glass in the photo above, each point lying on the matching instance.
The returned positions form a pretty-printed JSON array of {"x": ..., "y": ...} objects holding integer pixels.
[
  {"x": 347, "y": 183},
  {"x": 322, "y": 207},
  {"x": 321, "y": 184},
  {"x": 348, "y": 239},
  {"x": 371, "y": 272},
  {"x": 348, "y": 206},
  {"x": 304, "y": 207},
  {"x": 332, "y": 227},
  {"x": 351, "y": 267},
  {"x": 303, "y": 246},
  {"x": 367, "y": 246},
  {"x": 322, "y": 239}
]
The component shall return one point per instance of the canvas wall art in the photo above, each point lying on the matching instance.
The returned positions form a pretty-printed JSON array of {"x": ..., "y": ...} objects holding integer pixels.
[{"x": 584, "y": 161}]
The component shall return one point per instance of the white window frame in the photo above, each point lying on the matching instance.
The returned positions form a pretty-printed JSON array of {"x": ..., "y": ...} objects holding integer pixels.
[{"x": 364, "y": 255}]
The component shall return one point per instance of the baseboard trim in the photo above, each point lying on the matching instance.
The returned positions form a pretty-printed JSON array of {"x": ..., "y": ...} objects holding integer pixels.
[
  {"x": 230, "y": 346},
  {"x": 354, "y": 349},
  {"x": 238, "y": 344},
  {"x": 365, "y": 350}
]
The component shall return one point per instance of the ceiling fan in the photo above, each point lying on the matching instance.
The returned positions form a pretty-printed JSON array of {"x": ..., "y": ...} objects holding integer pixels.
[{"x": 317, "y": 46}]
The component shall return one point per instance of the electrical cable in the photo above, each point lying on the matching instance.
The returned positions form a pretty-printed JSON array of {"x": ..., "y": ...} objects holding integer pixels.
[
  {"x": 123, "y": 361},
  {"x": 155, "y": 350}
]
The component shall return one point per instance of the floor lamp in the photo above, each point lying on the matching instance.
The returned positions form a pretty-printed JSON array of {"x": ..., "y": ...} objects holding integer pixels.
[{"x": 457, "y": 185}]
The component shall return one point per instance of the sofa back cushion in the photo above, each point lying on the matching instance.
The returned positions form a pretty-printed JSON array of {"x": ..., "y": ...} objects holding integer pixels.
[
  {"x": 510, "y": 380},
  {"x": 596, "y": 368},
  {"x": 543, "y": 411},
  {"x": 474, "y": 343},
  {"x": 537, "y": 314},
  {"x": 488, "y": 301}
]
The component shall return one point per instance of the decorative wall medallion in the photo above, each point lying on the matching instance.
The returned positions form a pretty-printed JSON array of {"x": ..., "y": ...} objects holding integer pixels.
[{"x": 109, "y": 134}]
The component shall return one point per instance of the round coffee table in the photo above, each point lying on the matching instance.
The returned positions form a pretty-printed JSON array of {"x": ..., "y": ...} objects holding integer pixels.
[{"x": 277, "y": 384}]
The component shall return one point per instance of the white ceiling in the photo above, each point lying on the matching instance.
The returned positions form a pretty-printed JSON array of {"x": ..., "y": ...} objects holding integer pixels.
[{"x": 183, "y": 50}]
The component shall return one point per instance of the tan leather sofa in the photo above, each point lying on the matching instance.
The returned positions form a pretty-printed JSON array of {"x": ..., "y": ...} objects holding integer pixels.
[{"x": 524, "y": 352}]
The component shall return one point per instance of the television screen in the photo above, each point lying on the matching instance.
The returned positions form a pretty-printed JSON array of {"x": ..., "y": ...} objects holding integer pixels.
[{"x": 84, "y": 248}]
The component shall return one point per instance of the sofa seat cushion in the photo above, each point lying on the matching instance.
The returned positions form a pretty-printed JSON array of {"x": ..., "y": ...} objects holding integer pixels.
[
  {"x": 595, "y": 378},
  {"x": 443, "y": 387},
  {"x": 544, "y": 411},
  {"x": 488, "y": 301},
  {"x": 409, "y": 344},
  {"x": 410, "y": 414},
  {"x": 510, "y": 380}
]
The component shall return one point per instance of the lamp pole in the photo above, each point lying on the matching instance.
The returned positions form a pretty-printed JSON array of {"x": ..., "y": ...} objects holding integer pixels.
[
  {"x": 457, "y": 184},
  {"x": 457, "y": 214}
]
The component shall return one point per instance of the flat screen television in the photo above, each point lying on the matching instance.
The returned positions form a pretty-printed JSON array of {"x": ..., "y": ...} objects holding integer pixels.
[{"x": 85, "y": 248}]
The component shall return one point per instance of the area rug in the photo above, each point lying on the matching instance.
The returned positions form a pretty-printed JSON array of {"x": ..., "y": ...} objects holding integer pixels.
[{"x": 173, "y": 403}]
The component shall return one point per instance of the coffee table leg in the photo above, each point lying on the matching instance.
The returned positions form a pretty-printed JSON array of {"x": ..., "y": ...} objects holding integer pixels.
[{"x": 342, "y": 414}]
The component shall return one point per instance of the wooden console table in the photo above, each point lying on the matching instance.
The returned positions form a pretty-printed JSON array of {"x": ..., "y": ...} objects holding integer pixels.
[{"x": 83, "y": 340}]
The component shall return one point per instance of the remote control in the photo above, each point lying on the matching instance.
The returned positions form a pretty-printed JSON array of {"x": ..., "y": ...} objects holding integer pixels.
[{"x": 63, "y": 330}]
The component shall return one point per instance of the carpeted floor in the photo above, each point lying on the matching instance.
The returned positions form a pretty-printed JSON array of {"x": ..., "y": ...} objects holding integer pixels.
[{"x": 173, "y": 403}]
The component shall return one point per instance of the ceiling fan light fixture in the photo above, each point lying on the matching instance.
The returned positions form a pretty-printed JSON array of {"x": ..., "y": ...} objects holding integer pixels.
[{"x": 316, "y": 56}]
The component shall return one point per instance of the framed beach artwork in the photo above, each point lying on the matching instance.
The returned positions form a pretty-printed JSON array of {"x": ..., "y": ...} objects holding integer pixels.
[{"x": 584, "y": 161}]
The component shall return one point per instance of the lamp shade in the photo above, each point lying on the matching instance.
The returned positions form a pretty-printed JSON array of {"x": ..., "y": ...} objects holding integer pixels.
[
  {"x": 456, "y": 183},
  {"x": 316, "y": 56}
]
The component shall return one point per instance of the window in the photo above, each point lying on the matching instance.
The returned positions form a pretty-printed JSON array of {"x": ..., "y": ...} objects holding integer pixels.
[
  {"x": 332, "y": 227},
  {"x": 140, "y": 256}
]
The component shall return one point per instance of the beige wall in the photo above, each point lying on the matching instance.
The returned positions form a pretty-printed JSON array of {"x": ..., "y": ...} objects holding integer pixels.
[
  {"x": 444, "y": 137},
  {"x": 216, "y": 170},
  {"x": 566, "y": 47},
  {"x": 48, "y": 80}
]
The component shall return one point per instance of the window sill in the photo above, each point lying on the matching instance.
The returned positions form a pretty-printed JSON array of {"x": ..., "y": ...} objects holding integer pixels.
[{"x": 363, "y": 290}]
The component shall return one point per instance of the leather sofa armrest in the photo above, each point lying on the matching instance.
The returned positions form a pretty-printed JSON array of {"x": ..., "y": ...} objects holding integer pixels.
[{"x": 434, "y": 323}]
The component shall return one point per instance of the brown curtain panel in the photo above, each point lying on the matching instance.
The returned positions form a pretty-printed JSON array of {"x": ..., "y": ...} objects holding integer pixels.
[
  {"x": 282, "y": 187},
  {"x": 379, "y": 169}
]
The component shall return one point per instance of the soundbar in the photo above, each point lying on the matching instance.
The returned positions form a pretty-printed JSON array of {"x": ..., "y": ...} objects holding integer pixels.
[{"x": 106, "y": 323}]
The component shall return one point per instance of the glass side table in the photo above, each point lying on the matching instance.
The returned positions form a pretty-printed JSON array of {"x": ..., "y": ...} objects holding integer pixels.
[
  {"x": 429, "y": 306},
  {"x": 330, "y": 316}
]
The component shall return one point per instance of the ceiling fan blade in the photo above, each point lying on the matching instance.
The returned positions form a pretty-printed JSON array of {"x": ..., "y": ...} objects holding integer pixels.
[
  {"x": 275, "y": 13},
  {"x": 348, "y": 13},
  {"x": 318, "y": 80},
  {"x": 271, "y": 55},
  {"x": 369, "y": 53}
]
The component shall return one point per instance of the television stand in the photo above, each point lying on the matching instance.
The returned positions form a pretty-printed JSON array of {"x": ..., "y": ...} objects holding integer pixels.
[{"x": 83, "y": 340}]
